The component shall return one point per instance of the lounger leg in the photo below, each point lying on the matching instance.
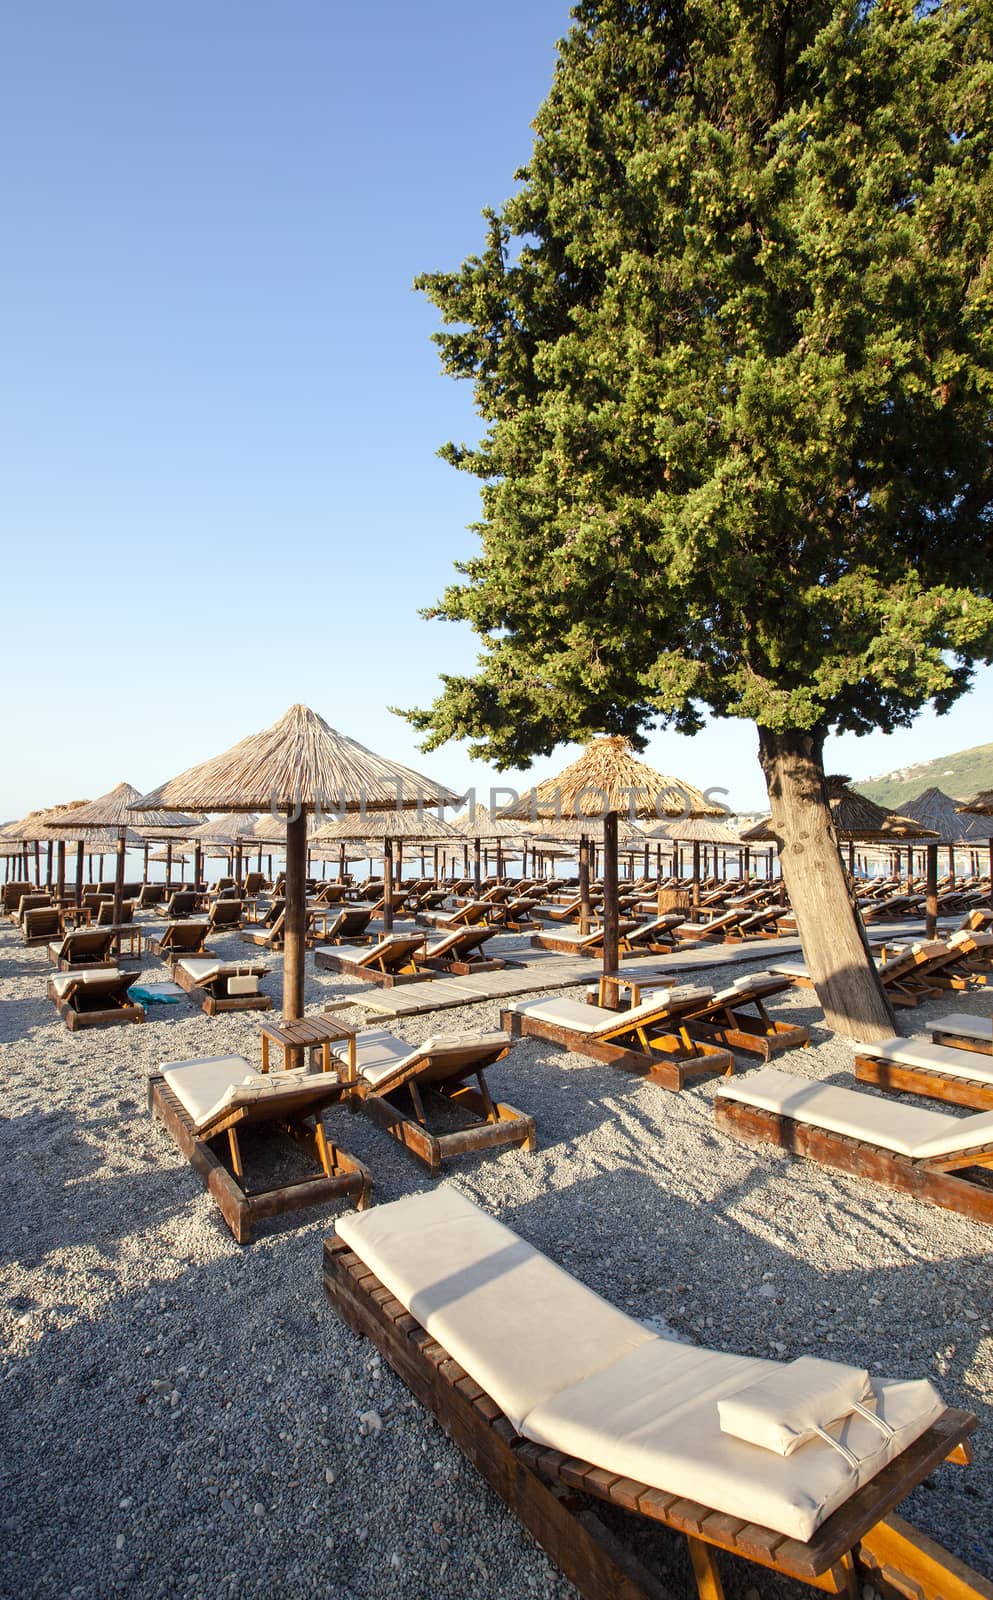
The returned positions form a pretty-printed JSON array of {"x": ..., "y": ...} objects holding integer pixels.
[
  {"x": 324, "y": 1150},
  {"x": 235, "y": 1152},
  {"x": 915, "y": 1565},
  {"x": 418, "y": 1103},
  {"x": 708, "y": 1579},
  {"x": 491, "y": 1110}
]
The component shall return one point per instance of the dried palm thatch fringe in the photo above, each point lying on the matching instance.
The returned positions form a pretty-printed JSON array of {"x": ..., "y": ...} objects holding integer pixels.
[
  {"x": 415, "y": 825},
  {"x": 227, "y": 831},
  {"x": 300, "y": 762},
  {"x": 856, "y": 818},
  {"x": 698, "y": 830},
  {"x": 981, "y": 804},
  {"x": 481, "y": 824},
  {"x": 608, "y": 777},
  {"x": 570, "y": 831}
]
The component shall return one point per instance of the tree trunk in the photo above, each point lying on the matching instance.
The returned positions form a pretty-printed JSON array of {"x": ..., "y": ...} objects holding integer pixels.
[
  {"x": 584, "y": 885},
  {"x": 834, "y": 942}
]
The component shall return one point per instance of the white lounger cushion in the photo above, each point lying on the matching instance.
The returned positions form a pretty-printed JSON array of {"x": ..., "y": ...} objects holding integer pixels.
[
  {"x": 61, "y": 981},
  {"x": 965, "y": 1027},
  {"x": 942, "y": 1058},
  {"x": 906, "y": 1130},
  {"x": 379, "y": 1055},
  {"x": 589, "y": 1020},
  {"x": 575, "y": 1374},
  {"x": 201, "y": 969},
  {"x": 213, "y": 1084},
  {"x": 654, "y": 1417},
  {"x": 524, "y": 1328}
]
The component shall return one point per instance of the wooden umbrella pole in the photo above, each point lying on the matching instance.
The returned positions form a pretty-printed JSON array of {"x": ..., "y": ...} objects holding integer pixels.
[
  {"x": 611, "y": 932},
  {"x": 119, "y": 885},
  {"x": 197, "y": 864},
  {"x": 931, "y": 889},
  {"x": 341, "y": 862},
  {"x": 80, "y": 852},
  {"x": 696, "y": 872},
  {"x": 60, "y": 871},
  {"x": 584, "y": 884},
  {"x": 387, "y": 885},
  {"x": 49, "y": 863},
  {"x": 476, "y": 875},
  {"x": 295, "y": 916},
  {"x": 168, "y": 863}
]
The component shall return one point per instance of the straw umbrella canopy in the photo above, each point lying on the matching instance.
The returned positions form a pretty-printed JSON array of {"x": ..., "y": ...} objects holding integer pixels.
[
  {"x": 857, "y": 819},
  {"x": 36, "y": 828},
  {"x": 697, "y": 831},
  {"x": 608, "y": 781},
  {"x": 299, "y": 766},
  {"x": 120, "y": 811},
  {"x": 940, "y": 812},
  {"x": 981, "y": 805},
  {"x": 478, "y": 824},
  {"x": 389, "y": 829}
]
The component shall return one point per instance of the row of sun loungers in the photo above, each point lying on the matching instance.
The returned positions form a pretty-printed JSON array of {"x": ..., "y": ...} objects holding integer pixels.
[{"x": 922, "y": 971}]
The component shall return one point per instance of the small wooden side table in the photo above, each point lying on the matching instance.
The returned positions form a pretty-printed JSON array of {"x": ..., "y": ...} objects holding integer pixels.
[{"x": 310, "y": 1033}]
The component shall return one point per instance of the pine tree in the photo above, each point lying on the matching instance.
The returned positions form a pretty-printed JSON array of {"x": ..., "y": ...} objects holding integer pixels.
[{"x": 732, "y": 341}]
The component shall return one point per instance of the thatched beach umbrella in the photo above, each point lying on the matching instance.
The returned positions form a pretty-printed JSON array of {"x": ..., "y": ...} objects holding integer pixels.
[
  {"x": 225, "y": 834},
  {"x": 478, "y": 824},
  {"x": 120, "y": 812},
  {"x": 981, "y": 805},
  {"x": 390, "y": 829},
  {"x": 297, "y": 767},
  {"x": 939, "y": 812},
  {"x": 606, "y": 782},
  {"x": 697, "y": 831},
  {"x": 859, "y": 820}
]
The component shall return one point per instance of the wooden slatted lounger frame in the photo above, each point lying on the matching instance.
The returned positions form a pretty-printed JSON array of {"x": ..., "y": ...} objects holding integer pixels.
[
  {"x": 93, "y": 946},
  {"x": 944, "y": 1181},
  {"x": 667, "y": 1058},
  {"x": 966, "y": 1041},
  {"x": 211, "y": 994},
  {"x": 80, "y": 1008},
  {"x": 340, "y": 1173},
  {"x": 180, "y": 939},
  {"x": 494, "y": 1124},
  {"x": 459, "y": 961},
  {"x": 730, "y": 1024},
  {"x": 555, "y": 1496},
  {"x": 386, "y": 970}
]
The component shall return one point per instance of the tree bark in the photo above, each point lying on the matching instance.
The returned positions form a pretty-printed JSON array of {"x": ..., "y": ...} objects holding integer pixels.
[
  {"x": 584, "y": 885},
  {"x": 832, "y": 934}
]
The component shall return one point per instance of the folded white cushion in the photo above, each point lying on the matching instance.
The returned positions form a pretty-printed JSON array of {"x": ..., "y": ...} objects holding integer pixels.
[
  {"x": 201, "y": 968},
  {"x": 573, "y": 1373},
  {"x": 524, "y": 1328},
  {"x": 61, "y": 981},
  {"x": 784, "y": 1409},
  {"x": 579, "y": 1017},
  {"x": 889, "y": 1124},
  {"x": 214, "y": 1084}
]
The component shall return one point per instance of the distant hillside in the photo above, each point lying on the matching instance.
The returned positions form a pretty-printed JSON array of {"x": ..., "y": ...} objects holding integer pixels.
[{"x": 959, "y": 775}]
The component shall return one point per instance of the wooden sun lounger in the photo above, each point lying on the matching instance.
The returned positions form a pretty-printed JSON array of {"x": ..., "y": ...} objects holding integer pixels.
[
  {"x": 737, "y": 1019},
  {"x": 556, "y": 1496},
  {"x": 224, "y": 915},
  {"x": 209, "y": 981},
  {"x": 957, "y": 1075},
  {"x": 571, "y": 943},
  {"x": 296, "y": 1107},
  {"x": 963, "y": 1032},
  {"x": 456, "y": 953},
  {"x": 179, "y": 939},
  {"x": 396, "y": 1081},
  {"x": 863, "y": 1140},
  {"x": 181, "y": 903},
  {"x": 350, "y": 924},
  {"x": 267, "y": 936},
  {"x": 387, "y": 963},
  {"x": 651, "y": 1039},
  {"x": 83, "y": 949},
  {"x": 97, "y": 998},
  {"x": 41, "y": 925}
]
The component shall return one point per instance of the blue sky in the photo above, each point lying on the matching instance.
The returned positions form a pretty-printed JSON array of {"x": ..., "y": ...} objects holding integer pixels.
[{"x": 219, "y": 488}]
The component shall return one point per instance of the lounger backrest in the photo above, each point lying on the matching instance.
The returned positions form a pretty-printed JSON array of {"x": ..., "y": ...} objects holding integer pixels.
[
  {"x": 109, "y": 985},
  {"x": 83, "y": 943}
]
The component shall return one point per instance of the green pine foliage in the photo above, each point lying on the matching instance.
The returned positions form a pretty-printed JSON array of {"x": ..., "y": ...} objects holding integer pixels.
[{"x": 732, "y": 343}]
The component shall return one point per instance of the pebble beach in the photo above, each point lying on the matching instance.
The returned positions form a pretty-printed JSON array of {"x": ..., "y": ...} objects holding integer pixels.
[{"x": 183, "y": 1416}]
